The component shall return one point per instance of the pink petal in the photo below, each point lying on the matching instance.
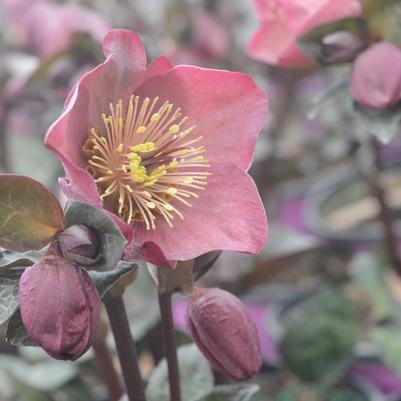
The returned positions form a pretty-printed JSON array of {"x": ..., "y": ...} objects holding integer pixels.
[
  {"x": 120, "y": 74},
  {"x": 227, "y": 108},
  {"x": 274, "y": 44},
  {"x": 228, "y": 215}
]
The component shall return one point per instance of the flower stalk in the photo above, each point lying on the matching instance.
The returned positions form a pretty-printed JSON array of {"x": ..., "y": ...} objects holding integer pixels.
[
  {"x": 106, "y": 365},
  {"x": 125, "y": 348},
  {"x": 179, "y": 279},
  {"x": 371, "y": 165},
  {"x": 170, "y": 345}
]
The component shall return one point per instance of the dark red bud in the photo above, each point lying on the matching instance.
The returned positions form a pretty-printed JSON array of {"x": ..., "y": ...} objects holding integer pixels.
[
  {"x": 376, "y": 76},
  {"x": 79, "y": 244},
  {"x": 225, "y": 333},
  {"x": 340, "y": 47},
  {"x": 60, "y": 306}
]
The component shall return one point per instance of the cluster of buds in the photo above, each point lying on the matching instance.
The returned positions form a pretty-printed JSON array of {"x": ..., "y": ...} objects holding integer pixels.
[
  {"x": 59, "y": 303},
  {"x": 223, "y": 330}
]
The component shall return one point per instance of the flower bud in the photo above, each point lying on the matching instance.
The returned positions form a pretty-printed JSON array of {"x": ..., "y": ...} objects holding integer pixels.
[
  {"x": 376, "y": 76},
  {"x": 340, "y": 47},
  {"x": 60, "y": 306},
  {"x": 225, "y": 333},
  {"x": 79, "y": 244}
]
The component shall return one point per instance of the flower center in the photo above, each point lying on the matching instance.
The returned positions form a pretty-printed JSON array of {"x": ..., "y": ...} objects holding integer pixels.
[{"x": 144, "y": 163}]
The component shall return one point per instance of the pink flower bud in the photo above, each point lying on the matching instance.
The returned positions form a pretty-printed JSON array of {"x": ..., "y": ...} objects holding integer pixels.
[
  {"x": 224, "y": 332},
  {"x": 60, "y": 306},
  {"x": 376, "y": 76},
  {"x": 79, "y": 244}
]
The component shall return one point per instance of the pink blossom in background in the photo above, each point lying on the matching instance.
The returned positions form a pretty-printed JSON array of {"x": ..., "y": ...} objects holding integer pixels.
[
  {"x": 283, "y": 21},
  {"x": 376, "y": 76},
  {"x": 166, "y": 151},
  {"x": 210, "y": 38},
  {"x": 48, "y": 27}
]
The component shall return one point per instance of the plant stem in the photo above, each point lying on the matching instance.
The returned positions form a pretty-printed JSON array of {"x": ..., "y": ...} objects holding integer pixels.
[
  {"x": 372, "y": 171},
  {"x": 125, "y": 348},
  {"x": 170, "y": 345},
  {"x": 386, "y": 214},
  {"x": 107, "y": 370}
]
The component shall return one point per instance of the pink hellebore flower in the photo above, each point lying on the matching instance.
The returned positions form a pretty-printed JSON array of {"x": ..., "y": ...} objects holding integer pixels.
[
  {"x": 48, "y": 27},
  {"x": 376, "y": 76},
  {"x": 164, "y": 149},
  {"x": 283, "y": 21}
]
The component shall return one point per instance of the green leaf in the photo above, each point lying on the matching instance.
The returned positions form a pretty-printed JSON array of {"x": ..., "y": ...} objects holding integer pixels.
[
  {"x": 9, "y": 284},
  {"x": 10, "y": 258},
  {"x": 30, "y": 215},
  {"x": 388, "y": 340},
  {"x": 384, "y": 125},
  {"x": 16, "y": 332},
  {"x": 311, "y": 42},
  {"x": 105, "y": 280},
  {"x": 235, "y": 392},
  {"x": 195, "y": 376},
  {"x": 112, "y": 241},
  {"x": 320, "y": 337},
  {"x": 369, "y": 275},
  {"x": 203, "y": 263}
]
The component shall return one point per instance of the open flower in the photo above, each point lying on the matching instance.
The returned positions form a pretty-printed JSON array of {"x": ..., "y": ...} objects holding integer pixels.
[
  {"x": 283, "y": 21},
  {"x": 165, "y": 150}
]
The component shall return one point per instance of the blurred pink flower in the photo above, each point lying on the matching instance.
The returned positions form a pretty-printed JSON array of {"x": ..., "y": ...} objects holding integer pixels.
[
  {"x": 48, "y": 27},
  {"x": 283, "y": 21},
  {"x": 165, "y": 150},
  {"x": 210, "y": 39},
  {"x": 376, "y": 76}
]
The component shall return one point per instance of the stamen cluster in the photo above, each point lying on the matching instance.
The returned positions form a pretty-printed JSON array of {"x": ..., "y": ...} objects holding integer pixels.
[{"x": 143, "y": 163}]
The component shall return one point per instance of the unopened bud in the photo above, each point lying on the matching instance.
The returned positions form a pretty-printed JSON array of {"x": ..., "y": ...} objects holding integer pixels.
[
  {"x": 79, "y": 244},
  {"x": 340, "y": 47},
  {"x": 376, "y": 76},
  {"x": 225, "y": 333},
  {"x": 60, "y": 306}
]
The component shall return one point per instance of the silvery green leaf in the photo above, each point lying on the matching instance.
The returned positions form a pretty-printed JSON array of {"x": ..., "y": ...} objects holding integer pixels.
[
  {"x": 112, "y": 241},
  {"x": 11, "y": 258},
  {"x": 384, "y": 125},
  {"x": 9, "y": 283},
  {"x": 16, "y": 332},
  {"x": 104, "y": 280},
  {"x": 234, "y": 392},
  {"x": 196, "y": 376}
]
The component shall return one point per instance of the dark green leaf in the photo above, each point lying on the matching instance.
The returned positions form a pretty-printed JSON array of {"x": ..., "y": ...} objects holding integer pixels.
[
  {"x": 30, "y": 215},
  {"x": 235, "y": 392},
  {"x": 105, "y": 280},
  {"x": 320, "y": 337},
  {"x": 9, "y": 284},
  {"x": 311, "y": 43},
  {"x": 112, "y": 241},
  {"x": 16, "y": 332},
  {"x": 203, "y": 263}
]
